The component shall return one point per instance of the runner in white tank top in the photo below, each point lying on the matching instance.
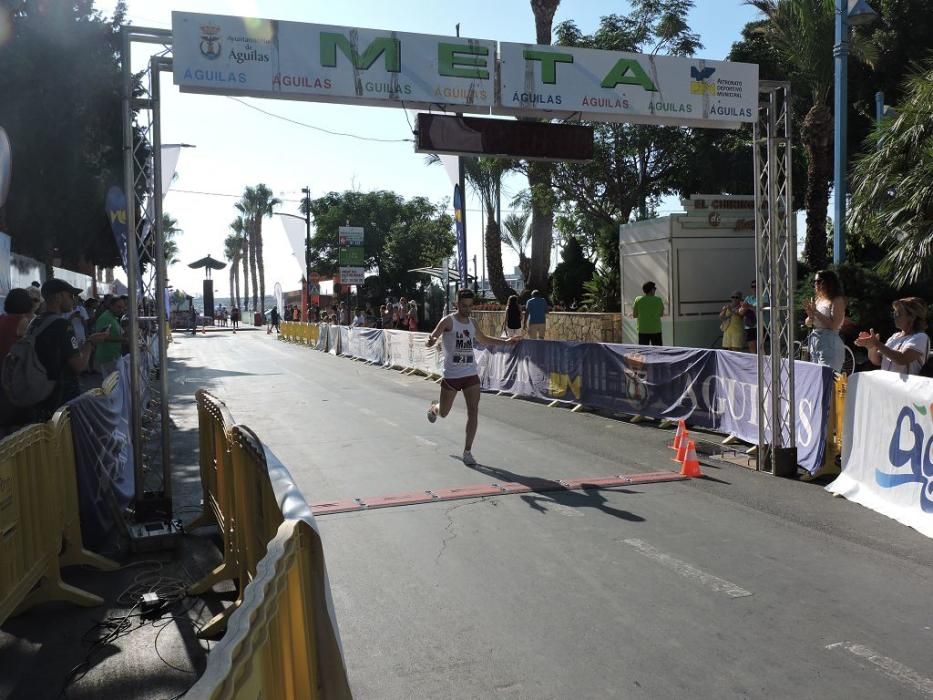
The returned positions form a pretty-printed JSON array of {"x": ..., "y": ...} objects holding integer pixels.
[{"x": 459, "y": 334}]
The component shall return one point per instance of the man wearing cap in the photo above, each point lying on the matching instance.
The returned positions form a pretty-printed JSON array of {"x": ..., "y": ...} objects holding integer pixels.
[
  {"x": 647, "y": 311},
  {"x": 109, "y": 350},
  {"x": 57, "y": 348}
]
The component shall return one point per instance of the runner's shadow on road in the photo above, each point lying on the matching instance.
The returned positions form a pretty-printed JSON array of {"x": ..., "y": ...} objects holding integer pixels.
[{"x": 541, "y": 488}]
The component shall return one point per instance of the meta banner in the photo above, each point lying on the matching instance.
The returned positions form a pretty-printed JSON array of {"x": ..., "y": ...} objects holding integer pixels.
[
  {"x": 614, "y": 86},
  {"x": 323, "y": 63},
  {"x": 269, "y": 58},
  {"x": 711, "y": 389}
]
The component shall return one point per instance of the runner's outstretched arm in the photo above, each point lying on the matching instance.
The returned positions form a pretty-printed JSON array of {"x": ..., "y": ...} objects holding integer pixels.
[
  {"x": 442, "y": 327},
  {"x": 486, "y": 340}
]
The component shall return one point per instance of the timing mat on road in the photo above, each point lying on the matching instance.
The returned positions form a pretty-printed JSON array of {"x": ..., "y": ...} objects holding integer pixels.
[{"x": 531, "y": 485}]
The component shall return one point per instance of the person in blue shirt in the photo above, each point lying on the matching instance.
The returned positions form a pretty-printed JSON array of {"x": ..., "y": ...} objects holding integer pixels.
[{"x": 536, "y": 315}]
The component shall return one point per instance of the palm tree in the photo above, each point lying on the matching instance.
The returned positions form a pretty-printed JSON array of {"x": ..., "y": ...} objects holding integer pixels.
[
  {"x": 249, "y": 245},
  {"x": 238, "y": 226},
  {"x": 233, "y": 249},
  {"x": 517, "y": 236},
  {"x": 256, "y": 204},
  {"x": 802, "y": 31},
  {"x": 539, "y": 174},
  {"x": 169, "y": 232},
  {"x": 892, "y": 194}
]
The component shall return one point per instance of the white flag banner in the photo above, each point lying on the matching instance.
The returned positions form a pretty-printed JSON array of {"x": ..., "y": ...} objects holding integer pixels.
[
  {"x": 452, "y": 166},
  {"x": 295, "y": 232},
  {"x": 170, "y": 153},
  {"x": 887, "y": 451}
]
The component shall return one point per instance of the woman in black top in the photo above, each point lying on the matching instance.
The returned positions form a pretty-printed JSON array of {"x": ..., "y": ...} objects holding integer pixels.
[{"x": 512, "y": 324}]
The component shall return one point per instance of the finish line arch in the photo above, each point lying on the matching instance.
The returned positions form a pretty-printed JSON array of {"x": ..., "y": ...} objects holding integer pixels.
[{"x": 222, "y": 55}]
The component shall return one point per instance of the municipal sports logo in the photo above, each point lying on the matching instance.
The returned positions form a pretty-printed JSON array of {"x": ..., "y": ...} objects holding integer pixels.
[
  {"x": 910, "y": 446},
  {"x": 698, "y": 81},
  {"x": 210, "y": 41}
]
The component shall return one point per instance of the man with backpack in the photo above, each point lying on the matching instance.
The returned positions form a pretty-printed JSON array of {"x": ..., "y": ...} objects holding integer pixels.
[{"x": 41, "y": 370}]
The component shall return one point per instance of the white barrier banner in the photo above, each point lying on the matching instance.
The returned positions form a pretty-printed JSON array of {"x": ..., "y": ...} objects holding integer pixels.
[
  {"x": 887, "y": 452},
  {"x": 366, "y": 344},
  {"x": 333, "y": 340},
  {"x": 407, "y": 350}
]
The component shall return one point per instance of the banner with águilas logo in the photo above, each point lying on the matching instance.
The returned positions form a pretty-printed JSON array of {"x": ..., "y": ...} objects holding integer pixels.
[
  {"x": 887, "y": 452},
  {"x": 293, "y": 60},
  {"x": 626, "y": 87}
]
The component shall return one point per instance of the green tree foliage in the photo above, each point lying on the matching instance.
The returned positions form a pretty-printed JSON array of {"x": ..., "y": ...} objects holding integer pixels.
[
  {"x": 571, "y": 274},
  {"x": 400, "y": 235},
  {"x": 170, "y": 232},
  {"x": 60, "y": 102},
  {"x": 802, "y": 34},
  {"x": 604, "y": 291},
  {"x": 902, "y": 38},
  {"x": 892, "y": 194},
  {"x": 633, "y": 166}
]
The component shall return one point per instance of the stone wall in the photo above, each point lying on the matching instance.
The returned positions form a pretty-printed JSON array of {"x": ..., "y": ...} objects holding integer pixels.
[{"x": 563, "y": 325}]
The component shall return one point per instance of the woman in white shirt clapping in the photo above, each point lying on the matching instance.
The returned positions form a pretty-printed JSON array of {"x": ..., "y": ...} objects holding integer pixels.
[{"x": 907, "y": 350}]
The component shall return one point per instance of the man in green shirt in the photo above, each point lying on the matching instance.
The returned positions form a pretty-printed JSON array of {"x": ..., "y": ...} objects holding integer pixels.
[
  {"x": 647, "y": 312},
  {"x": 109, "y": 351}
]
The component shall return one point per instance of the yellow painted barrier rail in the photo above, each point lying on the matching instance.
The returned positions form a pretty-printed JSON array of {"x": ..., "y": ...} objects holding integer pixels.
[
  {"x": 281, "y": 638},
  {"x": 40, "y": 529}
]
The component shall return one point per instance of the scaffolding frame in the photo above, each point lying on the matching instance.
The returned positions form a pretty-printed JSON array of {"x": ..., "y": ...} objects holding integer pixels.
[{"x": 776, "y": 271}]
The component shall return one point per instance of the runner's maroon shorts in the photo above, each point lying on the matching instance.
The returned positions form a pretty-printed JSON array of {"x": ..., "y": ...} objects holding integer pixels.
[{"x": 461, "y": 383}]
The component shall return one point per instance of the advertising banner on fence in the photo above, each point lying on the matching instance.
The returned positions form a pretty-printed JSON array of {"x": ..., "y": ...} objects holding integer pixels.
[
  {"x": 103, "y": 455},
  {"x": 887, "y": 450},
  {"x": 626, "y": 87},
  {"x": 347, "y": 65},
  {"x": 710, "y": 389}
]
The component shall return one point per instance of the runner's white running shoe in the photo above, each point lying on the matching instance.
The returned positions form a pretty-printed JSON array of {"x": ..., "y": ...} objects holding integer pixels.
[
  {"x": 432, "y": 412},
  {"x": 468, "y": 458}
]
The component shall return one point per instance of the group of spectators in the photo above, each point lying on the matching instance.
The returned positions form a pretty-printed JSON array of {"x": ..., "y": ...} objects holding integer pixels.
[
  {"x": 906, "y": 351},
  {"x": 70, "y": 337}
]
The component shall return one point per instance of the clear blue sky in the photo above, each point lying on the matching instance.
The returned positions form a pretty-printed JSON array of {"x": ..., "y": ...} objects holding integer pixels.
[{"x": 238, "y": 146}]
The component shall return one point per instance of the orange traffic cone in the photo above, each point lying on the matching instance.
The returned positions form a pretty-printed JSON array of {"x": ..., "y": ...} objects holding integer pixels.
[
  {"x": 682, "y": 449},
  {"x": 691, "y": 465},
  {"x": 679, "y": 435}
]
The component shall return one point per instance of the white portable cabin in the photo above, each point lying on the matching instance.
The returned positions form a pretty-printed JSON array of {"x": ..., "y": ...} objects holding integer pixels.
[{"x": 696, "y": 259}]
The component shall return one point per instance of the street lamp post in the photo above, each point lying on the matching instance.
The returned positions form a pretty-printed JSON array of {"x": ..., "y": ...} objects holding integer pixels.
[
  {"x": 307, "y": 193},
  {"x": 856, "y": 13}
]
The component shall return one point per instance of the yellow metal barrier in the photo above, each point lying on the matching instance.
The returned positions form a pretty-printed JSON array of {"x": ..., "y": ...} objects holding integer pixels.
[
  {"x": 39, "y": 525},
  {"x": 280, "y": 642},
  {"x": 270, "y": 649},
  {"x": 832, "y": 453},
  {"x": 217, "y": 483}
]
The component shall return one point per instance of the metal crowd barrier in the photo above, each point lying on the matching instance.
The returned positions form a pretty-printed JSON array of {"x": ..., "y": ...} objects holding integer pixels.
[
  {"x": 214, "y": 426},
  {"x": 282, "y": 639},
  {"x": 40, "y": 529}
]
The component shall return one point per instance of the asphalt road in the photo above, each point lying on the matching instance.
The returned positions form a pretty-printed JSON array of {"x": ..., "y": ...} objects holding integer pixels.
[{"x": 735, "y": 586}]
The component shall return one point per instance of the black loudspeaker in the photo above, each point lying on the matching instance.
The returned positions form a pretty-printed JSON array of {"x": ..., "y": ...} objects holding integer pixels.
[{"x": 209, "y": 298}]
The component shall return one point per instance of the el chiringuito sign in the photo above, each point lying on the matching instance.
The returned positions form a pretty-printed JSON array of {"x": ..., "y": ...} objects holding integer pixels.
[{"x": 291, "y": 60}]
